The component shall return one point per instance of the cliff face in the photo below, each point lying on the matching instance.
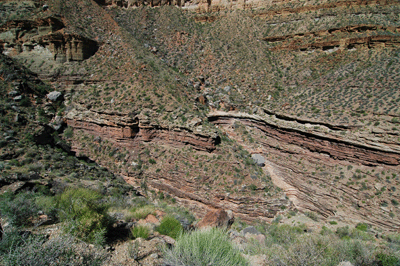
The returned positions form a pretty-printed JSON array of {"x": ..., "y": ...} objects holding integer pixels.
[
  {"x": 312, "y": 87},
  {"x": 197, "y": 190},
  {"x": 45, "y": 38},
  {"x": 339, "y": 39},
  {"x": 283, "y": 146},
  {"x": 261, "y": 9},
  {"x": 290, "y": 154},
  {"x": 132, "y": 130}
]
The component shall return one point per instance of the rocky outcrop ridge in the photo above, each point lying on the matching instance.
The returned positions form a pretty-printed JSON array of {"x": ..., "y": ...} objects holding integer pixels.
[
  {"x": 332, "y": 146},
  {"x": 131, "y": 130},
  {"x": 206, "y": 6},
  {"x": 308, "y": 191},
  {"x": 333, "y": 38},
  {"x": 45, "y": 38},
  {"x": 284, "y": 11}
]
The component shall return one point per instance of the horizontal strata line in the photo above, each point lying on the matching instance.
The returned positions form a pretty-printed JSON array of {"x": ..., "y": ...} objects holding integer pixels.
[
  {"x": 330, "y": 32},
  {"x": 303, "y": 9},
  {"x": 286, "y": 10},
  {"x": 344, "y": 43},
  {"x": 356, "y": 151}
]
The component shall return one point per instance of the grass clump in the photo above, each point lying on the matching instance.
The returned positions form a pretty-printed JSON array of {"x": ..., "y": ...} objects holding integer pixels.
[
  {"x": 362, "y": 227},
  {"x": 170, "y": 226},
  {"x": 36, "y": 250},
  {"x": 85, "y": 215},
  {"x": 207, "y": 247},
  {"x": 141, "y": 212},
  {"x": 19, "y": 209},
  {"x": 140, "y": 231}
]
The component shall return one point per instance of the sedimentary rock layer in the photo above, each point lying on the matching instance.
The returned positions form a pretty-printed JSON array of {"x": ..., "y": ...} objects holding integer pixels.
[
  {"x": 342, "y": 38},
  {"x": 133, "y": 130},
  {"x": 45, "y": 38},
  {"x": 310, "y": 192},
  {"x": 336, "y": 148}
]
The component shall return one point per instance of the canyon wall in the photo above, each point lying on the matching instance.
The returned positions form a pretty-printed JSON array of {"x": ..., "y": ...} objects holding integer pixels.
[{"x": 45, "y": 38}]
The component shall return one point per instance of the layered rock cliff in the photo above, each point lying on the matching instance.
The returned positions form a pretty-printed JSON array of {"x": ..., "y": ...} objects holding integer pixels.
[
  {"x": 135, "y": 139},
  {"x": 46, "y": 39},
  {"x": 295, "y": 156}
]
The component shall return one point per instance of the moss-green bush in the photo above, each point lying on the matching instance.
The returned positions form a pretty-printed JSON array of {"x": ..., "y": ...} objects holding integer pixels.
[
  {"x": 142, "y": 211},
  {"x": 84, "y": 214},
  {"x": 36, "y": 250},
  {"x": 170, "y": 226},
  {"x": 207, "y": 247},
  {"x": 19, "y": 209},
  {"x": 140, "y": 231},
  {"x": 387, "y": 259}
]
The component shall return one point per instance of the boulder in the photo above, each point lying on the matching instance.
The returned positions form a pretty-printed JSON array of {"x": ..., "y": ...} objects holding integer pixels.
[
  {"x": 345, "y": 263},
  {"x": 18, "y": 98},
  {"x": 250, "y": 230},
  {"x": 54, "y": 96},
  {"x": 258, "y": 159},
  {"x": 217, "y": 218}
]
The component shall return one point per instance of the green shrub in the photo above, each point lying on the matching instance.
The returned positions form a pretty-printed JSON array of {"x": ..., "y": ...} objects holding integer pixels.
[
  {"x": 68, "y": 132},
  {"x": 140, "y": 231},
  {"x": 26, "y": 102},
  {"x": 387, "y": 260},
  {"x": 10, "y": 239},
  {"x": 362, "y": 227},
  {"x": 207, "y": 247},
  {"x": 343, "y": 232},
  {"x": 316, "y": 250},
  {"x": 48, "y": 205},
  {"x": 170, "y": 226},
  {"x": 19, "y": 209},
  {"x": 284, "y": 234},
  {"x": 85, "y": 215},
  {"x": 312, "y": 215},
  {"x": 142, "y": 212},
  {"x": 36, "y": 250}
]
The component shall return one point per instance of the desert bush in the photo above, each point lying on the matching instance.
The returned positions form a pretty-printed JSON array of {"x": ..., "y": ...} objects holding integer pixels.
[
  {"x": 207, "y": 247},
  {"x": 385, "y": 259},
  {"x": 19, "y": 209},
  {"x": 84, "y": 214},
  {"x": 140, "y": 231},
  {"x": 48, "y": 205},
  {"x": 142, "y": 212},
  {"x": 313, "y": 250},
  {"x": 283, "y": 234},
  {"x": 170, "y": 226},
  {"x": 343, "y": 232},
  {"x": 312, "y": 215},
  {"x": 362, "y": 227},
  {"x": 18, "y": 249}
]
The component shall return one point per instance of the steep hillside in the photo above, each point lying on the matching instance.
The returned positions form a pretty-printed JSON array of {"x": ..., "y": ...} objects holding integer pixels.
[{"x": 175, "y": 97}]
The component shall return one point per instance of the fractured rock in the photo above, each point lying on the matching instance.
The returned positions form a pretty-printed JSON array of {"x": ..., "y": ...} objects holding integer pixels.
[
  {"x": 54, "y": 96},
  {"x": 217, "y": 218},
  {"x": 250, "y": 230},
  {"x": 258, "y": 159}
]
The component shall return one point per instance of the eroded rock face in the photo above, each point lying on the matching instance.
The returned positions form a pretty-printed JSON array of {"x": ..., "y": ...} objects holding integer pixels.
[
  {"x": 306, "y": 190},
  {"x": 125, "y": 131},
  {"x": 207, "y": 6},
  {"x": 333, "y": 146},
  {"x": 348, "y": 41},
  {"x": 45, "y": 38},
  {"x": 217, "y": 218}
]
